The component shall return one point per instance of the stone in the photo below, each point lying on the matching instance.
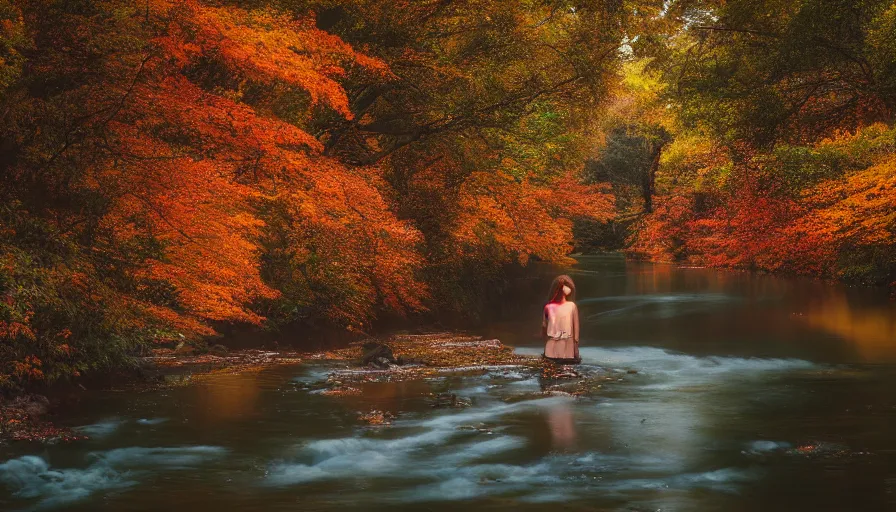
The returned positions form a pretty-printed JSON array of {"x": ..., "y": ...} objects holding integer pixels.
[
  {"x": 184, "y": 350},
  {"x": 218, "y": 350},
  {"x": 377, "y": 354},
  {"x": 450, "y": 400}
]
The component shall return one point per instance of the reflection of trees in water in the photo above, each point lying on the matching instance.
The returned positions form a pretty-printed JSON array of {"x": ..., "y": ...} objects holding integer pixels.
[
  {"x": 236, "y": 396},
  {"x": 227, "y": 397},
  {"x": 872, "y": 330},
  {"x": 387, "y": 396}
]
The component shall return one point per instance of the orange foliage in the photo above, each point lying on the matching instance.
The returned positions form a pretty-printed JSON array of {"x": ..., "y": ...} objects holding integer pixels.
[
  {"x": 752, "y": 229},
  {"x": 344, "y": 237},
  {"x": 859, "y": 209},
  {"x": 755, "y": 225},
  {"x": 265, "y": 46},
  {"x": 661, "y": 235},
  {"x": 524, "y": 218},
  {"x": 744, "y": 232},
  {"x": 193, "y": 167},
  {"x": 167, "y": 177}
]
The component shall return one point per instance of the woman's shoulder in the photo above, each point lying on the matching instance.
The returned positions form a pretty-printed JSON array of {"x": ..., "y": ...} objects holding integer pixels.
[{"x": 550, "y": 306}]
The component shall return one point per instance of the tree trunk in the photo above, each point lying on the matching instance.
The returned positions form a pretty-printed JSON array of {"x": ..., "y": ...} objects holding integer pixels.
[{"x": 648, "y": 183}]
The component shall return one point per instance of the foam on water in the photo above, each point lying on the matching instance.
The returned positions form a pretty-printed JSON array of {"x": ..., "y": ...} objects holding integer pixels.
[
  {"x": 32, "y": 477},
  {"x": 106, "y": 428},
  {"x": 476, "y": 480},
  {"x": 437, "y": 461},
  {"x": 647, "y": 435},
  {"x": 448, "y": 422},
  {"x": 101, "y": 429},
  {"x": 676, "y": 367},
  {"x": 479, "y": 450},
  {"x": 657, "y": 430},
  {"x": 561, "y": 478},
  {"x": 173, "y": 458},
  {"x": 363, "y": 456},
  {"x": 760, "y": 447},
  {"x": 151, "y": 421},
  {"x": 725, "y": 480},
  {"x": 313, "y": 374}
]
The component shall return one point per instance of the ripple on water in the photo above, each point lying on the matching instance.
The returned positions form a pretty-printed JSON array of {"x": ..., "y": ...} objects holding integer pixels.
[
  {"x": 100, "y": 429},
  {"x": 652, "y": 437},
  {"x": 410, "y": 455},
  {"x": 667, "y": 369},
  {"x": 437, "y": 461}
]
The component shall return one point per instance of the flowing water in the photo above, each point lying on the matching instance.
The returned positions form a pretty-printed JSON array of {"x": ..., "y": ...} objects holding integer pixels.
[{"x": 703, "y": 391}]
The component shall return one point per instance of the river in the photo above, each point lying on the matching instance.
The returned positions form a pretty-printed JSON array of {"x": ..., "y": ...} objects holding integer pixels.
[{"x": 709, "y": 390}]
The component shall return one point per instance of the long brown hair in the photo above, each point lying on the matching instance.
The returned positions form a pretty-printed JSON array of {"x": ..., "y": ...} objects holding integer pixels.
[{"x": 557, "y": 288}]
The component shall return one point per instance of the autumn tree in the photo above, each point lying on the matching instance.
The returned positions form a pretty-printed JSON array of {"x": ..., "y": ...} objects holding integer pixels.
[
  {"x": 778, "y": 102},
  {"x": 146, "y": 152},
  {"x": 785, "y": 71},
  {"x": 174, "y": 166},
  {"x": 482, "y": 133}
]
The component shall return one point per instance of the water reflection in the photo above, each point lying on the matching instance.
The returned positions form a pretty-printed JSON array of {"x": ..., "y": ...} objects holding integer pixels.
[
  {"x": 228, "y": 397},
  {"x": 712, "y": 312},
  {"x": 870, "y": 328},
  {"x": 563, "y": 427},
  {"x": 387, "y": 396}
]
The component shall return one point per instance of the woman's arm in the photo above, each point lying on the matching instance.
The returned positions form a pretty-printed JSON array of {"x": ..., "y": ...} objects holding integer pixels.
[
  {"x": 575, "y": 323},
  {"x": 544, "y": 323}
]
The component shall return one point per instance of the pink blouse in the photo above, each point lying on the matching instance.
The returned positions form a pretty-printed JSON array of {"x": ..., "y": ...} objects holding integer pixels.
[{"x": 561, "y": 320}]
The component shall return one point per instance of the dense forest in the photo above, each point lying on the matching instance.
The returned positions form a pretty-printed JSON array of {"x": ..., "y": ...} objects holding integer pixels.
[
  {"x": 761, "y": 136},
  {"x": 170, "y": 168}
]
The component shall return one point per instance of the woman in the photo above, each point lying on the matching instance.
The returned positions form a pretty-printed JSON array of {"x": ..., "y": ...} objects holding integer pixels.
[{"x": 560, "y": 323}]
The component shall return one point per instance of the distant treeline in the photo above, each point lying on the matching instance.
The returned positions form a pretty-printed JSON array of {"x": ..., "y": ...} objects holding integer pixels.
[{"x": 761, "y": 136}]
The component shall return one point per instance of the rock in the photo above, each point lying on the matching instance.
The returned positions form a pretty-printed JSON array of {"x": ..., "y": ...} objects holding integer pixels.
[
  {"x": 184, "y": 350},
  {"x": 341, "y": 391},
  {"x": 377, "y": 418},
  {"x": 379, "y": 363},
  {"x": 403, "y": 361},
  {"x": 377, "y": 354},
  {"x": 33, "y": 405},
  {"x": 450, "y": 400},
  {"x": 218, "y": 350},
  {"x": 632, "y": 372}
]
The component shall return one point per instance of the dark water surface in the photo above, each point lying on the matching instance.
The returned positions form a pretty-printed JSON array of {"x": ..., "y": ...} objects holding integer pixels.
[{"x": 752, "y": 393}]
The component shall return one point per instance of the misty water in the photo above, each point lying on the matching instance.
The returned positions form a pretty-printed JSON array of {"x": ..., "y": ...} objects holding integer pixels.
[{"x": 705, "y": 390}]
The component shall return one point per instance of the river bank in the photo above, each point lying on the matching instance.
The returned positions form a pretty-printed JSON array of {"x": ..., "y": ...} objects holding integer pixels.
[
  {"x": 400, "y": 357},
  {"x": 29, "y": 416}
]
